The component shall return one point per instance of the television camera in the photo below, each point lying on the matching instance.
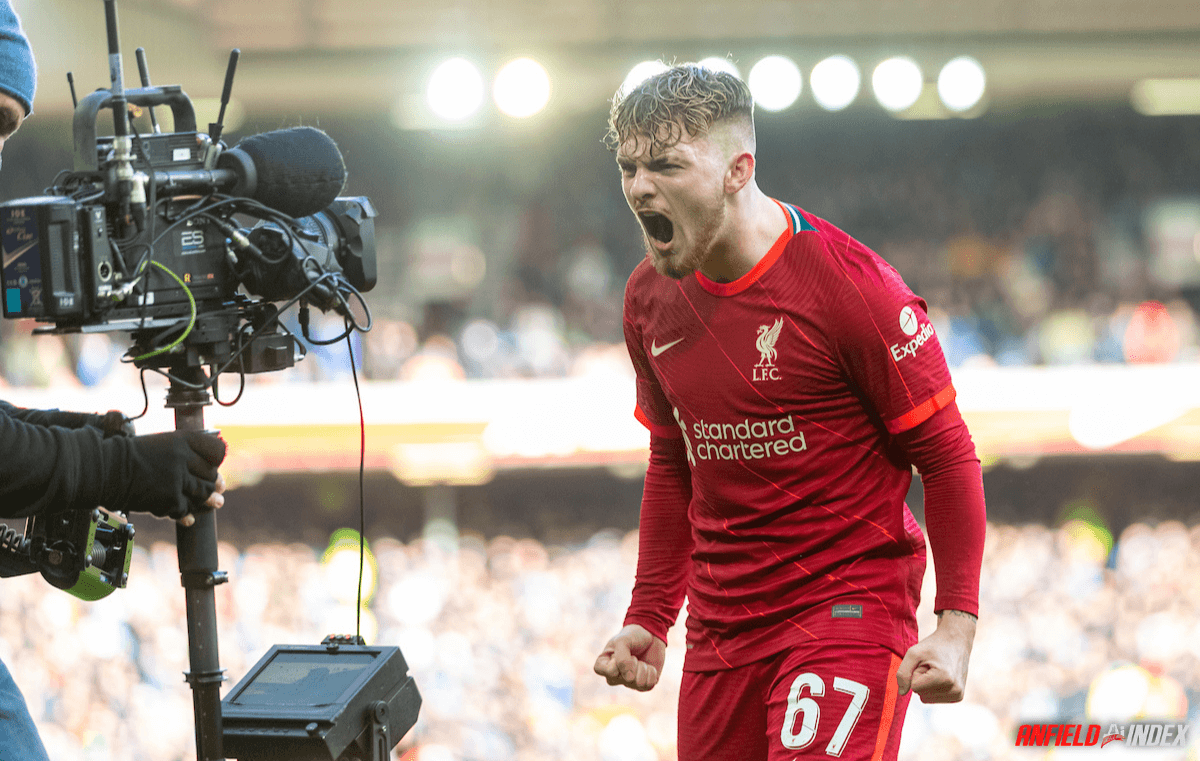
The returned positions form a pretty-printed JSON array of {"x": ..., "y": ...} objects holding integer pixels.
[{"x": 189, "y": 246}]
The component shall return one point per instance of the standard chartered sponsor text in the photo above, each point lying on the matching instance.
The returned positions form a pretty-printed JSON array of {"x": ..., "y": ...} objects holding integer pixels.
[{"x": 747, "y": 439}]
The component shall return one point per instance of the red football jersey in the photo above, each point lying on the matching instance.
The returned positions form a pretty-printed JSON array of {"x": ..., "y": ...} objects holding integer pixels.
[{"x": 785, "y": 386}]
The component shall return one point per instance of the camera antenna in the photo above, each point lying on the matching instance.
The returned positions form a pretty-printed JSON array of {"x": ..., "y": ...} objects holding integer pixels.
[
  {"x": 130, "y": 193},
  {"x": 71, "y": 84},
  {"x": 144, "y": 71},
  {"x": 214, "y": 129},
  {"x": 116, "y": 73}
]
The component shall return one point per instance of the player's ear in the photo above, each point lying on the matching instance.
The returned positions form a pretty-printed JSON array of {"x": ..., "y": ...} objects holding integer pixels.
[{"x": 740, "y": 172}]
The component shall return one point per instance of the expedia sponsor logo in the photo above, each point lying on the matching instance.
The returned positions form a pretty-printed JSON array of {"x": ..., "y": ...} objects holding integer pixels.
[
  {"x": 900, "y": 351},
  {"x": 742, "y": 440}
]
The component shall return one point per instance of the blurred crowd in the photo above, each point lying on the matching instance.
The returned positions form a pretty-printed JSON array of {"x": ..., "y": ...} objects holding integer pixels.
[
  {"x": 1059, "y": 238},
  {"x": 501, "y": 634}
]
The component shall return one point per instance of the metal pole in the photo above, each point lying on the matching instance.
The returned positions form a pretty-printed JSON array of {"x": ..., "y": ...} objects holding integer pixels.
[{"x": 196, "y": 546}]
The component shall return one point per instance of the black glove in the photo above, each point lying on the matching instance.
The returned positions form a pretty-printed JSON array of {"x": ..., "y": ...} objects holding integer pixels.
[
  {"x": 166, "y": 474},
  {"x": 111, "y": 423}
]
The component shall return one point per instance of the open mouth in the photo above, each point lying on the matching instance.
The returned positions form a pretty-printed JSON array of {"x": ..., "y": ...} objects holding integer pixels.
[{"x": 657, "y": 226}]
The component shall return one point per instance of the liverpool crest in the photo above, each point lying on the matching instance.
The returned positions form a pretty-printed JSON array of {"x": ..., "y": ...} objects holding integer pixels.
[{"x": 765, "y": 343}]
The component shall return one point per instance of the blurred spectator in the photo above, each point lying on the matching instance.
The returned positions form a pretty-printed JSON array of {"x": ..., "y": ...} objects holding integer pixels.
[
  {"x": 437, "y": 360},
  {"x": 499, "y": 635},
  {"x": 386, "y": 348}
]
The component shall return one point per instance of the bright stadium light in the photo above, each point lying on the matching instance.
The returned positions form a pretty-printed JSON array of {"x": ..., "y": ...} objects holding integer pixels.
[
  {"x": 897, "y": 83},
  {"x": 455, "y": 90},
  {"x": 1166, "y": 97},
  {"x": 522, "y": 88},
  {"x": 775, "y": 82},
  {"x": 641, "y": 73},
  {"x": 835, "y": 82},
  {"x": 717, "y": 63},
  {"x": 961, "y": 84}
]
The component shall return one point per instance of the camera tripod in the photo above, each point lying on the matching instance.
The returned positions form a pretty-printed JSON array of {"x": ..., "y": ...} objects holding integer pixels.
[
  {"x": 341, "y": 700},
  {"x": 196, "y": 546}
]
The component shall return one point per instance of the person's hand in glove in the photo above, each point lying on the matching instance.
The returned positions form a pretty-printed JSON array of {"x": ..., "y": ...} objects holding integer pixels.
[
  {"x": 170, "y": 475},
  {"x": 111, "y": 423}
]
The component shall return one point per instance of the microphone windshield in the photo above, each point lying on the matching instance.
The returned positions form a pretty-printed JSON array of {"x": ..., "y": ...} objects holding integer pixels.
[{"x": 299, "y": 171}]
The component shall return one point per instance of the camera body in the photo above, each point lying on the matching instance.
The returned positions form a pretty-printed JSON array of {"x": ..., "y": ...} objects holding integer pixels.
[{"x": 146, "y": 236}]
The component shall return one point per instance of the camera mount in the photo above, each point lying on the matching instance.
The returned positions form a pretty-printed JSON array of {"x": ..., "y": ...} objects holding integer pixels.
[{"x": 143, "y": 237}]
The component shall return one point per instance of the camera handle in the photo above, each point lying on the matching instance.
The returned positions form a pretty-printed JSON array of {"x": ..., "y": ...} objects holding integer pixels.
[{"x": 196, "y": 546}]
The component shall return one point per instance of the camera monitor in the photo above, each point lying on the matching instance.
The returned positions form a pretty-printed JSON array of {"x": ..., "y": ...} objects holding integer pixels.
[{"x": 320, "y": 702}]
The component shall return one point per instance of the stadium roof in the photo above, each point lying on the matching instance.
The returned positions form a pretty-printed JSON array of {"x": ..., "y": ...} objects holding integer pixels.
[{"x": 363, "y": 55}]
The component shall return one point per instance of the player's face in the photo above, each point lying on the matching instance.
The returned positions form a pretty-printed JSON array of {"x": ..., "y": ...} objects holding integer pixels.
[{"x": 677, "y": 194}]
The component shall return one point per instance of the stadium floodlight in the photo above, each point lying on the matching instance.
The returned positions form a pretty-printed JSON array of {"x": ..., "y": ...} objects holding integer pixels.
[
  {"x": 455, "y": 90},
  {"x": 716, "y": 63},
  {"x": 775, "y": 82},
  {"x": 1166, "y": 97},
  {"x": 521, "y": 88},
  {"x": 641, "y": 73},
  {"x": 961, "y": 84},
  {"x": 835, "y": 82},
  {"x": 897, "y": 83}
]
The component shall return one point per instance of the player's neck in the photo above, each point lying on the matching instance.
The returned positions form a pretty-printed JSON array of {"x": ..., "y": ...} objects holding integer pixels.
[{"x": 753, "y": 225}]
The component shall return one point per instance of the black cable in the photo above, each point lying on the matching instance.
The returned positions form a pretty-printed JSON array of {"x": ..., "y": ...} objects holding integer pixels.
[
  {"x": 330, "y": 341},
  {"x": 145, "y": 397},
  {"x": 147, "y": 233},
  {"x": 363, "y": 302},
  {"x": 208, "y": 208},
  {"x": 241, "y": 385},
  {"x": 17, "y": 544},
  {"x": 362, "y": 501},
  {"x": 237, "y": 356}
]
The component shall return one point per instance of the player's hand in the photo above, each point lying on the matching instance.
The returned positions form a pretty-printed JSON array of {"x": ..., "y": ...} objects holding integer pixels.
[
  {"x": 936, "y": 667},
  {"x": 633, "y": 658}
]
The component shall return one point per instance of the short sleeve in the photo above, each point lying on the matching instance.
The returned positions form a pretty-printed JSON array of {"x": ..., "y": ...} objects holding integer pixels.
[{"x": 887, "y": 344}]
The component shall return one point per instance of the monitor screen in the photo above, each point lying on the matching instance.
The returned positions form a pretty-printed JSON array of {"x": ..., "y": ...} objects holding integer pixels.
[{"x": 304, "y": 679}]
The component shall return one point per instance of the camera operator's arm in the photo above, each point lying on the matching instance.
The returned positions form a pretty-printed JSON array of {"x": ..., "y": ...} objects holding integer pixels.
[
  {"x": 49, "y": 468},
  {"x": 112, "y": 423}
]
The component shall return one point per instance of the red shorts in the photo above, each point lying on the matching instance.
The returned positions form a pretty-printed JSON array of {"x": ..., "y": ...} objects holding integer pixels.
[{"x": 827, "y": 699}]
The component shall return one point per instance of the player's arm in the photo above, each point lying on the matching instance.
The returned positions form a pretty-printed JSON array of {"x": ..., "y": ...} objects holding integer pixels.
[
  {"x": 634, "y": 656},
  {"x": 889, "y": 349},
  {"x": 955, "y": 521}
]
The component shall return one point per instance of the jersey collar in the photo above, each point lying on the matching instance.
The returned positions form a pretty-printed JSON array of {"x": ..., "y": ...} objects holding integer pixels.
[{"x": 796, "y": 223}]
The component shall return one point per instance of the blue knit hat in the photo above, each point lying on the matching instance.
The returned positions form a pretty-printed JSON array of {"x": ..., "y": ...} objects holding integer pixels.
[{"x": 18, "y": 72}]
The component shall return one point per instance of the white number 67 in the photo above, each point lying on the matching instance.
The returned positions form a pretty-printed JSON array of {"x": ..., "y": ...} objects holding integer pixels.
[{"x": 809, "y": 713}]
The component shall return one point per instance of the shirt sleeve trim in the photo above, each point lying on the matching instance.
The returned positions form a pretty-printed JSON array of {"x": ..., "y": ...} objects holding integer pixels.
[
  {"x": 922, "y": 412},
  {"x": 665, "y": 431}
]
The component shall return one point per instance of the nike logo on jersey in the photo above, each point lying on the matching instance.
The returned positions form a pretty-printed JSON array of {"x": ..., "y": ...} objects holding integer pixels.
[{"x": 655, "y": 349}]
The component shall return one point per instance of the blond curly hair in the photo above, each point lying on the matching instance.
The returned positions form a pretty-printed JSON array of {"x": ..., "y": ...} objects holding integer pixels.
[{"x": 686, "y": 96}]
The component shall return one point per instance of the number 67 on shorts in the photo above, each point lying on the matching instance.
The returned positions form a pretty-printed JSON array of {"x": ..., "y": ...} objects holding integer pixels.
[{"x": 823, "y": 700}]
